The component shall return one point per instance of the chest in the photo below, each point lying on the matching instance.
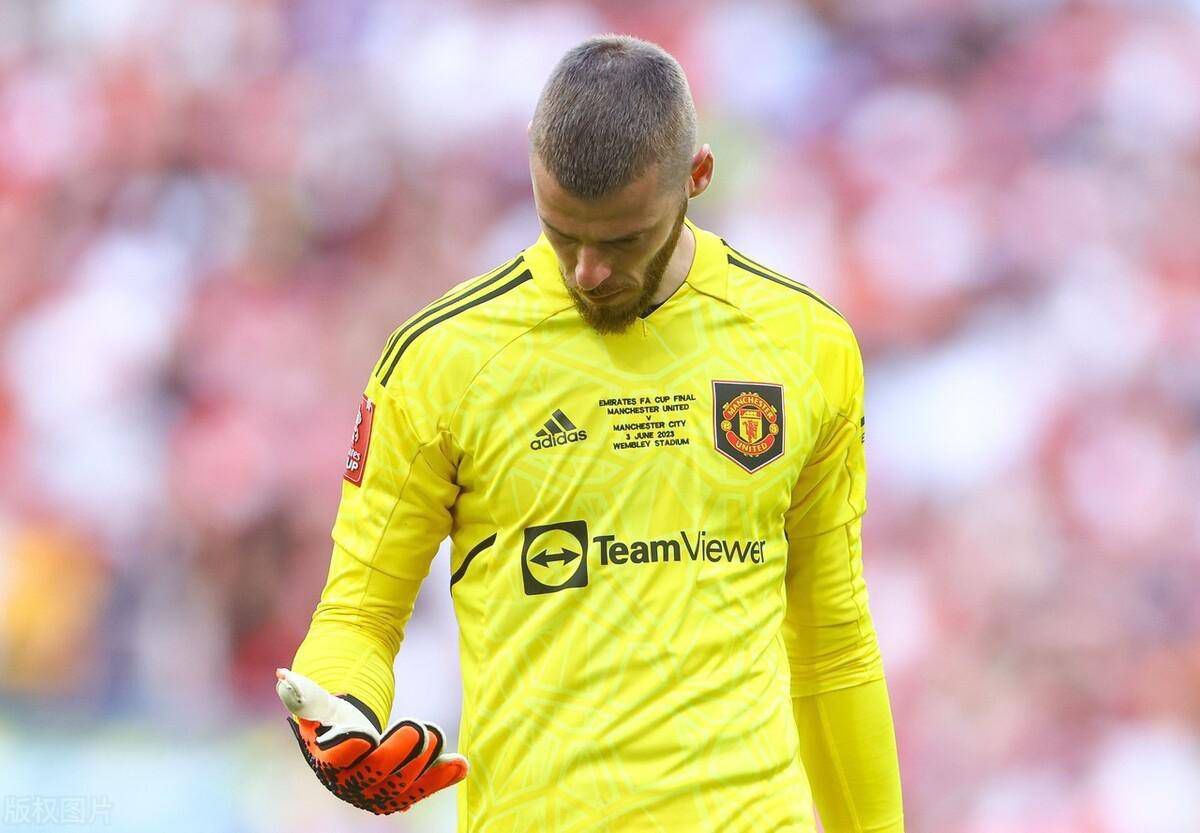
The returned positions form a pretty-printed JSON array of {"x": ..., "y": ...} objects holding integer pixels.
[{"x": 696, "y": 419}]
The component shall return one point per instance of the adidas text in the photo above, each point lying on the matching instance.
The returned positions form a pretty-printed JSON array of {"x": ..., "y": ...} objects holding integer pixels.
[{"x": 539, "y": 443}]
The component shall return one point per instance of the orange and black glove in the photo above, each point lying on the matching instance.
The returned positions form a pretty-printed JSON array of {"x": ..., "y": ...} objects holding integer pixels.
[{"x": 341, "y": 741}]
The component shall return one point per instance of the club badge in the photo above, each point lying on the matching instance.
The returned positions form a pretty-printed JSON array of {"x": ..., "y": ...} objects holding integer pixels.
[{"x": 748, "y": 422}]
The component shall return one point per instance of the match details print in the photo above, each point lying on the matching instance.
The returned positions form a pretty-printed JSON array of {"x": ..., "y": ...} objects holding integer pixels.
[{"x": 655, "y": 421}]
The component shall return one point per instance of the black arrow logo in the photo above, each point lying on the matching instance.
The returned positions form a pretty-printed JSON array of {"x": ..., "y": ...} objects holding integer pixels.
[
  {"x": 560, "y": 550},
  {"x": 563, "y": 556}
]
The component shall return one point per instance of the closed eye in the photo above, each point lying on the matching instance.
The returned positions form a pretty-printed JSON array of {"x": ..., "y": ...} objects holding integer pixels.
[{"x": 618, "y": 241}]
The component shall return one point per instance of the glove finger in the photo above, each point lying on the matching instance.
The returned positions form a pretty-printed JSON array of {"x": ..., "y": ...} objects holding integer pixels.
[
  {"x": 385, "y": 794},
  {"x": 338, "y": 751},
  {"x": 408, "y": 771},
  {"x": 444, "y": 772},
  {"x": 402, "y": 744}
]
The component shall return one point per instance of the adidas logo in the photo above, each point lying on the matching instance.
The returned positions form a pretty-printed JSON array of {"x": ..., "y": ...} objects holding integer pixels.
[{"x": 558, "y": 430}]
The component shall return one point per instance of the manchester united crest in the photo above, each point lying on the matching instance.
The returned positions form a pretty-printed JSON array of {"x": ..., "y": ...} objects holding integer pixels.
[{"x": 748, "y": 422}]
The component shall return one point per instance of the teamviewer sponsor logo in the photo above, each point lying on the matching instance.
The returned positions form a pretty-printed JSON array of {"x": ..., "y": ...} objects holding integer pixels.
[
  {"x": 558, "y": 430},
  {"x": 555, "y": 557}
]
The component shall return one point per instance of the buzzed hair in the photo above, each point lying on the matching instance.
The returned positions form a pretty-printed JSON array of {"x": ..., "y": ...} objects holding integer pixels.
[{"x": 614, "y": 106}]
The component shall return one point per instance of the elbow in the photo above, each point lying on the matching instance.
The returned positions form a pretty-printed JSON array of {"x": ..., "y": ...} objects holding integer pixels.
[{"x": 834, "y": 657}]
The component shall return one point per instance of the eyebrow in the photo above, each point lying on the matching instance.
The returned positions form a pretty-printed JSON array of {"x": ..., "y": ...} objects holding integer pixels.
[{"x": 628, "y": 236}]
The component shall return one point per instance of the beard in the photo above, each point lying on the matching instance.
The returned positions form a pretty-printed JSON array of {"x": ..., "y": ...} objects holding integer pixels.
[{"x": 614, "y": 318}]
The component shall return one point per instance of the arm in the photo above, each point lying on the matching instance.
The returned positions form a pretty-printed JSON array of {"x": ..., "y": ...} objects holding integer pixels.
[
  {"x": 839, "y": 696},
  {"x": 388, "y": 529},
  {"x": 395, "y": 511}
]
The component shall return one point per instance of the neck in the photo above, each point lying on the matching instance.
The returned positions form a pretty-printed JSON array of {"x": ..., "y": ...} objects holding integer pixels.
[{"x": 678, "y": 266}]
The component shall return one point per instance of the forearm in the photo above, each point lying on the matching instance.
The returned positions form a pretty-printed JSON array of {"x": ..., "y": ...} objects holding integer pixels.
[
  {"x": 848, "y": 745},
  {"x": 356, "y": 632}
]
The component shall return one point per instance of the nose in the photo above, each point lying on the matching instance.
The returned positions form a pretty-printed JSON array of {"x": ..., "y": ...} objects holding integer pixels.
[{"x": 590, "y": 269}]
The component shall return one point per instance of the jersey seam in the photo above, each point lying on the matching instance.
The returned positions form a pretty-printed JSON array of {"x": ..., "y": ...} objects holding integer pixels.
[
  {"x": 484, "y": 366},
  {"x": 729, "y": 267},
  {"x": 799, "y": 357},
  {"x": 829, "y": 531},
  {"x": 366, "y": 657},
  {"x": 458, "y": 292},
  {"x": 829, "y": 408},
  {"x": 421, "y": 446},
  {"x": 463, "y": 305},
  {"x": 838, "y": 766},
  {"x": 858, "y": 608},
  {"x": 747, "y": 264},
  {"x": 446, "y": 428},
  {"x": 369, "y": 563},
  {"x": 712, "y": 294}
]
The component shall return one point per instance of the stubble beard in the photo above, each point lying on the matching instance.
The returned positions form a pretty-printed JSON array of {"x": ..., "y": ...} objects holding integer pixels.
[{"x": 617, "y": 319}]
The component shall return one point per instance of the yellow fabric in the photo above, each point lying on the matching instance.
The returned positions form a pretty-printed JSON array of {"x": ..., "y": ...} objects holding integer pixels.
[
  {"x": 636, "y": 607},
  {"x": 357, "y": 631},
  {"x": 849, "y": 748}
]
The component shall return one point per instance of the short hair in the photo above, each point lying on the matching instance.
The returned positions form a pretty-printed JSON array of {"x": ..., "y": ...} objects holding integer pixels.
[{"x": 613, "y": 106}]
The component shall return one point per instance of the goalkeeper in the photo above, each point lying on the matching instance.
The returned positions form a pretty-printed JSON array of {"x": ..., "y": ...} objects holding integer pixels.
[{"x": 646, "y": 449}]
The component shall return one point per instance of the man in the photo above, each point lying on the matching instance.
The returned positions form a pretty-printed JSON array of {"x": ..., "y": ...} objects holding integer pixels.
[{"x": 647, "y": 450}]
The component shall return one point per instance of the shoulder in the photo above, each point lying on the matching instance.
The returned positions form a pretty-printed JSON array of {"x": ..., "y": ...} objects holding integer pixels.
[
  {"x": 799, "y": 319},
  {"x": 461, "y": 324},
  {"x": 432, "y": 357}
]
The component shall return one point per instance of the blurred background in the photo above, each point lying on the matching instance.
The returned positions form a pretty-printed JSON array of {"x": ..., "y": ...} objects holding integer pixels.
[{"x": 212, "y": 213}]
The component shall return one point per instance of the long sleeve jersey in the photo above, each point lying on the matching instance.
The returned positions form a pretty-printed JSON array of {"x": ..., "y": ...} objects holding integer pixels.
[{"x": 656, "y": 558}]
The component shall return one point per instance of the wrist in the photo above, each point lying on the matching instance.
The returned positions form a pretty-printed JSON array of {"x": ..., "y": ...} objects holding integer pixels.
[{"x": 365, "y": 710}]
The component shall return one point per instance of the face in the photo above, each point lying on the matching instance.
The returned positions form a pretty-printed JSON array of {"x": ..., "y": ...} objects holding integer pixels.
[{"x": 612, "y": 251}]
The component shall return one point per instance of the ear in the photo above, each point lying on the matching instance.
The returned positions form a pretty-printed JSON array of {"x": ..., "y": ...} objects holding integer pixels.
[{"x": 702, "y": 171}]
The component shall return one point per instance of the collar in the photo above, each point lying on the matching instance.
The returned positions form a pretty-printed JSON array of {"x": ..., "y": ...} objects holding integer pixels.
[
  {"x": 543, "y": 263},
  {"x": 708, "y": 274}
]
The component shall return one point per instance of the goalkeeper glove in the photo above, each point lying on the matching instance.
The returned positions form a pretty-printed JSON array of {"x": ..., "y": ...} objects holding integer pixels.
[{"x": 382, "y": 774}]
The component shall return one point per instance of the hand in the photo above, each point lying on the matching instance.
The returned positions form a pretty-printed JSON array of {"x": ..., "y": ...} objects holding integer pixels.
[{"x": 382, "y": 774}]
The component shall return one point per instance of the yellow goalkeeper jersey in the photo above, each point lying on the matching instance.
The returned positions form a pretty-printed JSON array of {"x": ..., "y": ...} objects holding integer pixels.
[{"x": 655, "y": 543}]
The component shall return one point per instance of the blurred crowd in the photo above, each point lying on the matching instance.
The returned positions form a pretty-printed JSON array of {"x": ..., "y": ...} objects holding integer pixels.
[{"x": 214, "y": 212}]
